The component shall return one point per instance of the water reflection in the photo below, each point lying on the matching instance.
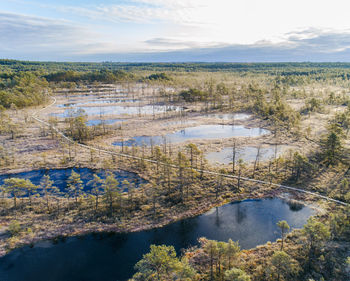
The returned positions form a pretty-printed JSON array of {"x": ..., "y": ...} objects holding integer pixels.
[
  {"x": 251, "y": 222},
  {"x": 197, "y": 132},
  {"x": 60, "y": 176}
]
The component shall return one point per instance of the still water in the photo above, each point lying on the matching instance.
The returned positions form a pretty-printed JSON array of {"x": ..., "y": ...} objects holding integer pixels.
[
  {"x": 197, "y": 132},
  {"x": 96, "y": 122},
  {"x": 112, "y": 257},
  {"x": 60, "y": 176},
  {"x": 119, "y": 110}
]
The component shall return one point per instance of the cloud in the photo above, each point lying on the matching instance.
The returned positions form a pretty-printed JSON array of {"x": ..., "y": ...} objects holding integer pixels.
[
  {"x": 308, "y": 45},
  {"x": 175, "y": 43},
  {"x": 27, "y": 37},
  {"x": 35, "y": 38},
  {"x": 320, "y": 41},
  {"x": 18, "y": 33},
  {"x": 141, "y": 11}
]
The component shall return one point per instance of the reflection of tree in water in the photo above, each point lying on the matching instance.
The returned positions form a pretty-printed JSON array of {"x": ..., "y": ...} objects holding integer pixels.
[
  {"x": 117, "y": 241},
  {"x": 295, "y": 206},
  {"x": 241, "y": 213},
  {"x": 217, "y": 217},
  {"x": 181, "y": 234},
  {"x": 186, "y": 230}
]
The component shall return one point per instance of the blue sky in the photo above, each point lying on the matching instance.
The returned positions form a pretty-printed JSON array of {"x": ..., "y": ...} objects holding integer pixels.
[{"x": 175, "y": 30}]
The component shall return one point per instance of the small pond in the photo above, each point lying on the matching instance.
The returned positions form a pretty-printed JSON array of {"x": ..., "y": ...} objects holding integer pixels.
[
  {"x": 60, "y": 176},
  {"x": 112, "y": 257},
  {"x": 197, "y": 132},
  {"x": 246, "y": 153},
  {"x": 118, "y": 110}
]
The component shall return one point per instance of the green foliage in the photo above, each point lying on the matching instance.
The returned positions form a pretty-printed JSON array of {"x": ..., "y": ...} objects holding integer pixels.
[
  {"x": 14, "y": 228},
  {"x": 158, "y": 77},
  {"x": 284, "y": 265},
  {"x": 236, "y": 274},
  {"x": 340, "y": 224},
  {"x": 316, "y": 234},
  {"x": 311, "y": 105},
  {"x": 277, "y": 111},
  {"x": 23, "y": 89},
  {"x": 102, "y": 75},
  {"x": 75, "y": 186},
  {"x": 301, "y": 165},
  {"x": 97, "y": 188},
  {"x": 331, "y": 146},
  {"x": 284, "y": 226},
  {"x": 77, "y": 128},
  {"x": 111, "y": 191},
  {"x": 159, "y": 264},
  {"x": 343, "y": 119},
  {"x": 48, "y": 190},
  {"x": 193, "y": 95},
  {"x": 17, "y": 187}
]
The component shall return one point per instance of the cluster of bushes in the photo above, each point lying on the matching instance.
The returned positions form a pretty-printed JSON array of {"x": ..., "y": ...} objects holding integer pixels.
[
  {"x": 158, "y": 77},
  {"x": 193, "y": 95},
  {"x": 103, "y": 75},
  {"x": 277, "y": 110}
]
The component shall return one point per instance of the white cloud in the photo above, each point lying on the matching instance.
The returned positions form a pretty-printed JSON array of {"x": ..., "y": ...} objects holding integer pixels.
[
  {"x": 27, "y": 35},
  {"x": 168, "y": 25},
  {"x": 229, "y": 21}
]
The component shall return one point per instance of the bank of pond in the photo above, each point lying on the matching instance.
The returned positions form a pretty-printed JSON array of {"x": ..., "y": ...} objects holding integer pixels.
[{"x": 113, "y": 256}]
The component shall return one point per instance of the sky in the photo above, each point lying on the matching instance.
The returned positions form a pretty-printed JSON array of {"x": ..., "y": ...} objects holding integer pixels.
[{"x": 175, "y": 30}]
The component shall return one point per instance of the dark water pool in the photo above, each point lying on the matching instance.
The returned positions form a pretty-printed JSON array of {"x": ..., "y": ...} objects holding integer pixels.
[
  {"x": 112, "y": 257},
  {"x": 197, "y": 132},
  {"x": 60, "y": 176}
]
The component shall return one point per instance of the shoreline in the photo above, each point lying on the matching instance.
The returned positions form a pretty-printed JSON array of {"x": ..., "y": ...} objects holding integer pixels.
[{"x": 79, "y": 229}]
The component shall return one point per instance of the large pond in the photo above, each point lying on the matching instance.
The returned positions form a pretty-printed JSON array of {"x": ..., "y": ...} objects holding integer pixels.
[
  {"x": 197, "y": 132},
  {"x": 112, "y": 257},
  {"x": 60, "y": 176},
  {"x": 246, "y": 153},
  {"x": 119, "y": 110}
]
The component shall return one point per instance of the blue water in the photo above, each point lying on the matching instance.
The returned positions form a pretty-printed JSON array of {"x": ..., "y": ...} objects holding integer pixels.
[
  {"x": 197, "y": 132},
  {"x": 60, "y": 176},
  {"x": 118, "y": 110},
  {"x": 112, "y": 257},
  {"x": 99, "y": 121},
  {"x": 97, "y": 102}
]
